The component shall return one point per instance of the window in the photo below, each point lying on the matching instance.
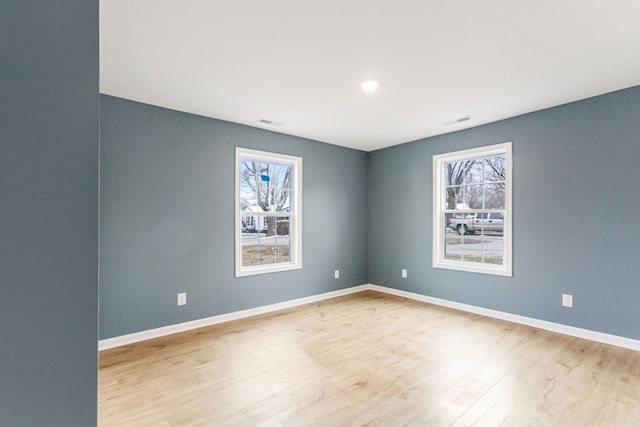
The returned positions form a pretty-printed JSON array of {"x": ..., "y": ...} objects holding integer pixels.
[
  {"x": 268, "y": 212},
  {"x": 472, "y": 210}
]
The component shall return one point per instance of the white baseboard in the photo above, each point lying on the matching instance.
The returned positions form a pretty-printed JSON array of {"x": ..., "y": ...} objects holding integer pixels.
[
  {"x": 528, "y": 321},
  {"x": 208, "y": 321},
  {"x": 587, "y": 334}
]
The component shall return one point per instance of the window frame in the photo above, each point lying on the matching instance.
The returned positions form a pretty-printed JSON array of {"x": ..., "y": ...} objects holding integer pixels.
[
  {"x": 295, "y": 213},
  {"x": 439, "y": 211}
]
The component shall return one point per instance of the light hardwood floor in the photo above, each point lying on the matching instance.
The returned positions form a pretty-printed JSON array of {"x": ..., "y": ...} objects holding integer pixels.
[{"x": 369, "y": 359}]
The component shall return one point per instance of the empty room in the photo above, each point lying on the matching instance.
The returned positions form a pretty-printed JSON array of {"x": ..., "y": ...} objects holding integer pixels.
[{"x": 336, "y": 213}]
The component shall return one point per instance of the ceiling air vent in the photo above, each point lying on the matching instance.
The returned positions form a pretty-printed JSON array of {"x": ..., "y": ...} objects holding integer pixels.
[
  {"x": 270, "y": 122},
  {"x": 458, "y": 120}
]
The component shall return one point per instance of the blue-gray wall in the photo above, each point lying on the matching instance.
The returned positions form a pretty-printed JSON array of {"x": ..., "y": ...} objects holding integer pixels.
[
  {"x": 576, "y": 192},
  {"x": 48, "y": 212},
  {"x": 167, "y": 215}
]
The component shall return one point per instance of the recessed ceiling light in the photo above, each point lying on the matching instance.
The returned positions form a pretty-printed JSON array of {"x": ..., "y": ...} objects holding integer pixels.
[{"x": 369, "y": 85}]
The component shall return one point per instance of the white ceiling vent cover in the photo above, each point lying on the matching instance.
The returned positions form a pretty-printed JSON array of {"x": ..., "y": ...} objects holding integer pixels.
[
  {"x": 458, "y": 120},
  {"x": 270, "y": 122}
]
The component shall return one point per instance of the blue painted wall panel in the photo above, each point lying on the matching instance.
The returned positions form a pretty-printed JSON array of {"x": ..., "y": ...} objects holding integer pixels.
[
  {"x": 575, "y": 196},
  {"x": 167, "y": 218},
  {"x": 49, "y": 107}
]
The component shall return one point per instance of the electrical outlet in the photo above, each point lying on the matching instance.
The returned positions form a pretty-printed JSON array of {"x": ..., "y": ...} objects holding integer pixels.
[
  {"x": 182, "y": 298},
  {"x": 336, "y": 274},
  {"x": 404, "y": 273},
  {"x": 567, "y": 300}
]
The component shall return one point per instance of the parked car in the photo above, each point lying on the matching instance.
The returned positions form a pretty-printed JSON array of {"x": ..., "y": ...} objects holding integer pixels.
[{"x": 493, "y": 221}]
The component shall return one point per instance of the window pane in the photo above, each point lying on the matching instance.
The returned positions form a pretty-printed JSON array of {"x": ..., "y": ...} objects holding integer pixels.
[
  {"x": 494, "y": 196},
  {"x": 281, "y": 201},
  {"x": 457, "y": 173},
  {"x": 252, "y": 224},
  {"x": 453, "y": 247},
  {"x": 454, "y": 198},
  {"x": 494, "y": 226},
  {"x": 454, "y": 221},
  {"x": 475, "y": 175},
  {"x": 253, "y": 251},
  {"x": 472, "y": 249},
  {"x": 473, "y": 196},
  {"x": 495, "y": 168},
  {"x": 282, "y": 226},
  {"x": 254, "y": 255},
  {"x": 493, "y": 248},
  {"x": 248, "y": 199},
  {"x": 280, "y": 248}
]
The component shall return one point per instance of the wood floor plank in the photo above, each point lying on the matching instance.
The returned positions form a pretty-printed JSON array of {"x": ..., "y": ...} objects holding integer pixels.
[{"x": 368, "y": 359}]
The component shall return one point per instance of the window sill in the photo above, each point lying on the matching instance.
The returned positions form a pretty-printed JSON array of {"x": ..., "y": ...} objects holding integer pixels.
[{"x": 252, "y": 271}]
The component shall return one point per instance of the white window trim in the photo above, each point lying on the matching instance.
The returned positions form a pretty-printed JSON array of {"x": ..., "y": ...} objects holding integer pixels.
[
  {"x": 439, "y": 224},
  {"x": 295, "y": 216}
]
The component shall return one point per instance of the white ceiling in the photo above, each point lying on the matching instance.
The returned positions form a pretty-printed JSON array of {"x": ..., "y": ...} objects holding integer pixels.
[{"x": 300, "y": 62}]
